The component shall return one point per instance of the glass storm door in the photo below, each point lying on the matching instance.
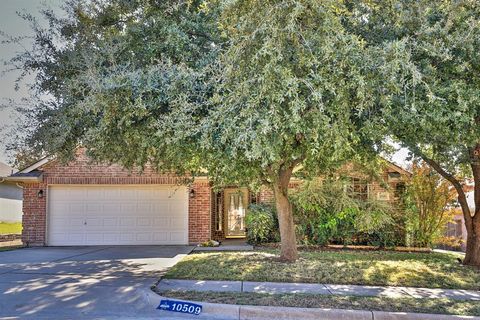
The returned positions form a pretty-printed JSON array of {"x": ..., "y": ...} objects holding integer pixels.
[{"x": 236, "y": 202}]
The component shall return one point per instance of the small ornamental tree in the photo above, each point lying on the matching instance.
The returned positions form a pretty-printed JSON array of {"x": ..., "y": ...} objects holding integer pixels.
[
  {"x": 430, "y": 204},
  {"x": 431, "y": 90}
]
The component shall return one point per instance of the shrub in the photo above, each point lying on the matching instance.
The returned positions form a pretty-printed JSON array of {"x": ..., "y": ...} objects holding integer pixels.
[
  {"x": 325, "y": 213},
  {"x": 430, "y": 205},
  {"x": 452, "y": 243},
  {"x": 262, "y": 224}
]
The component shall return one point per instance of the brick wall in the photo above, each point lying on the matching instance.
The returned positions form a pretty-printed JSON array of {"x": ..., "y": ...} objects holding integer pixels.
[
  {"x": 10, "y": 237},
  {"x": 199, "y": 221},
  {"x": 83, "y": 171},
  {"x": 34, "y": 214},
  {"x": 266, "y": 194}
]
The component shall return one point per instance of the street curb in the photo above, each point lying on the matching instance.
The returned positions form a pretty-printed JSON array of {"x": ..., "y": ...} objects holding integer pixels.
[{"x": 246, "y": 312}]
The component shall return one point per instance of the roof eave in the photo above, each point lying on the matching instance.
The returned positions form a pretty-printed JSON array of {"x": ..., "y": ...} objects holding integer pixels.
[{"x": 23, "y": 179}]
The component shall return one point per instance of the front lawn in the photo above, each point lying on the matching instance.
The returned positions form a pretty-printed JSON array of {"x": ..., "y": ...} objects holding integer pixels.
[
  {"x": 10, "y": 227},
  {"x": 427, "y": 270},
  {"x": 442, "y": 306}
]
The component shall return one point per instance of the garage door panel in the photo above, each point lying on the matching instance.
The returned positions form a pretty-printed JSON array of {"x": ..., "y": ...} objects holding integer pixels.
[
  {"x": 110, "y": 222},
  {"x": 163, "y": 237},
  {"x": 176, "y": 236},
  {"x": 92, "y": 208},
  {"x": 75, "y": 222},
  {"x": 62, "y": 223},
  {"x": 126, "y": 222},
  {"x": 70, "y": 238},
  {"x": 144, "y": 222},
  {"x": 110, "y": 208},
  {"x": 144, "y": 237},
  {"x": 123, "y": 215},
  {"x": 162, "y": 222},
  {"x": 175, "y": 208},
  {"x": 94, "y": 223},
  {"x": 144, "y": 208},
  {"x": 93, "y": 194},
  {"x": 176, "y": 223},
  {"x": 161, "y": 206}
]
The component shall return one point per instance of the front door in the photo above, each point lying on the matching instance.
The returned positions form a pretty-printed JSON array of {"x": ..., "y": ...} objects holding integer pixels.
[{"x": 236, "y": 202}]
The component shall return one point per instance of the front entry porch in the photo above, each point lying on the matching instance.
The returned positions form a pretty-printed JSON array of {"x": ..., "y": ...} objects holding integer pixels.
[{"x": 229, "y": 208}]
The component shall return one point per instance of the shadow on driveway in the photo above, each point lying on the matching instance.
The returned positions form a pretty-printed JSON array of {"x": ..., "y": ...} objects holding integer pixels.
[{"x": 61, "y": 282}]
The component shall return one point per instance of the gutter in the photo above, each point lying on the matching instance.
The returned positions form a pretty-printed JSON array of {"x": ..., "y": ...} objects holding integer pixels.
[{"x": 23, "y": 179}]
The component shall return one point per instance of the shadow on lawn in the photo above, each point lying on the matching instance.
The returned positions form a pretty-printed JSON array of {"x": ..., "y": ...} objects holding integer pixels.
[{"x": 377, "y": 269}]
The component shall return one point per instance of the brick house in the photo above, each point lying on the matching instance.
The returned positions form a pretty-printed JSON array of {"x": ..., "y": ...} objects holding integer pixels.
[{"x": 84, "y": 203}]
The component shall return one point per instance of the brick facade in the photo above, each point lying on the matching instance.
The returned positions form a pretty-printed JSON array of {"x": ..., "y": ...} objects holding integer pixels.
[
  {"x": 199, "y": 212},
  {"x": 204, "y": 205},
  {"x": 34, "y": 214},
  {"x": 82, "y": 171}
]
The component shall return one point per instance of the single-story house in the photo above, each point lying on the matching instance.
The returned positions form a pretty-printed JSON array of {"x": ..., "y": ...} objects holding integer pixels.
[
  {"x": 84, "y": 203},
  {"x": 11, "y": 196}
]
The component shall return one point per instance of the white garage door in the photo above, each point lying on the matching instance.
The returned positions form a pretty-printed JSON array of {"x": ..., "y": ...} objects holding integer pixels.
[{"x": 117, "y": 215}]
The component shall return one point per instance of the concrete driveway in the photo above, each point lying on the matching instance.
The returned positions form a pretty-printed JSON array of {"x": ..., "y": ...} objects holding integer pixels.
[{"x": 82, "y": 282}]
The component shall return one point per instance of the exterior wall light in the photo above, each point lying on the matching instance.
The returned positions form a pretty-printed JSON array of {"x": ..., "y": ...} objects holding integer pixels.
[
  {"x": 192, "y": 193},
  {"x": 40, "y": 194}
]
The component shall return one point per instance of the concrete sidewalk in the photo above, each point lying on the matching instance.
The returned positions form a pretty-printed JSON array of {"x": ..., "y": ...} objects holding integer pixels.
[
  {"x": 311, "y": 288},
  {"x": 215, "y": 311}
]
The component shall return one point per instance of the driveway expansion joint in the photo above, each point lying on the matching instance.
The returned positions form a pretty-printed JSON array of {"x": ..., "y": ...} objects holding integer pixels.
[{"x": 81, "y": 254}]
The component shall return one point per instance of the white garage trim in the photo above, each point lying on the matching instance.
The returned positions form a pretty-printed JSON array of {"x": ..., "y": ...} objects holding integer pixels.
[{"x": 117, "y": 215}]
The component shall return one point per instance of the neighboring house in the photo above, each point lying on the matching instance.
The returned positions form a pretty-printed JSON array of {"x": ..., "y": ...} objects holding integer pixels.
[
  {"x": 10, "y": 197},
  {"x": 93, "y": 204},
  {"x": 457, "y": 229}
]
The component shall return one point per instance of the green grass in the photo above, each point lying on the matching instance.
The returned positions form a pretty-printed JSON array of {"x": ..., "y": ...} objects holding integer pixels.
[
  {"x": 442, "y": 306},
  {"x": 382, "y": 268},
  {"x": 10, "y": 248},
  {"x": 10, "y": 227}
]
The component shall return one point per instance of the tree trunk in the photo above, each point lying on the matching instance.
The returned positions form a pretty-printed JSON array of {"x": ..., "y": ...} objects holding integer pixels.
[
  {"x": 472, "y": 253},
  {"x": 288, "y": 239}
]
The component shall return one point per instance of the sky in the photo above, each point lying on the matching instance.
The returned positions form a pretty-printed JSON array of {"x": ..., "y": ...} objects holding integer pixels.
[{"x": 13, "y": 25}]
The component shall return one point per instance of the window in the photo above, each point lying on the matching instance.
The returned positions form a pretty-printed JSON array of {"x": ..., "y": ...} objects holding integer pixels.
[
  {"x": 217, "y": 209},
  {"x": 399, "y": 189},
  {"x": 394, "y": 175},
  {"x": 358, "y": 189},
  {"x": 383, "y": 196}
]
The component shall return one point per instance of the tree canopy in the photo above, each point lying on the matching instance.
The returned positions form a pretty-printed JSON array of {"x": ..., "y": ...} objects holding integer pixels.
[
  {"x": 125, "y": 79},
  {"x": 251, "y": 90},
  {"x": 431, "y": 101},
  {"x": 248, "y": 90},
  {"x": 293, "y": 89}
]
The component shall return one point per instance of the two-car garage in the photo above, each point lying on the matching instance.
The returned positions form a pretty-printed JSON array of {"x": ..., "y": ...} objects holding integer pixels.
[{"x": 117, "y": 215}]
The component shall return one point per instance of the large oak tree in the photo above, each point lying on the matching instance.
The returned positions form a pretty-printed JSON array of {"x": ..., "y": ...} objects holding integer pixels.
[
  {"x": 248, "y": 90},
  {"x": 293, "y": 91},
  {"x": 431, "y": 88}
]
